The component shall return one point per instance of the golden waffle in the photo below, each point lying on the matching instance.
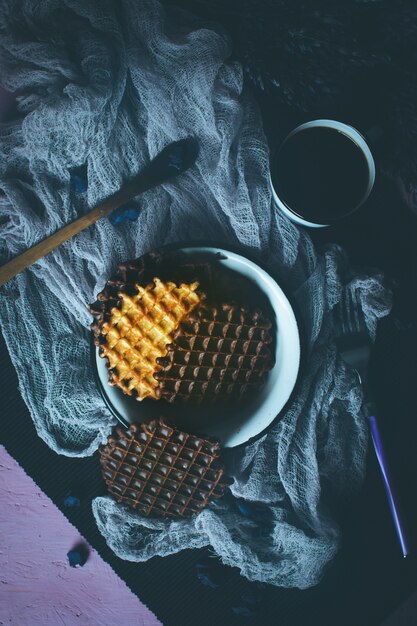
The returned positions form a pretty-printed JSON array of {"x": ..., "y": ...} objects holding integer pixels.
[
  {"x": 171, "y": 266},
  {"x": 161, "y": 471},
  {"x": 217, "y": 353},
  {"x": 140, "y": 328}
]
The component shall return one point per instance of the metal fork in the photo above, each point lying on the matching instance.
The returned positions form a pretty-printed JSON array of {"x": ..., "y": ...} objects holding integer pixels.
[{"x": 353, "y": 341}]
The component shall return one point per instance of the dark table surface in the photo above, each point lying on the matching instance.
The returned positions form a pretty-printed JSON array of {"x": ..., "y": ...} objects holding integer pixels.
[{"x": 369, "y": 577}]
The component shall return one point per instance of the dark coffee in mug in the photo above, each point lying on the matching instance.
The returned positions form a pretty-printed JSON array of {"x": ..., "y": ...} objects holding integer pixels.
[{"x": 321, "y": 174}]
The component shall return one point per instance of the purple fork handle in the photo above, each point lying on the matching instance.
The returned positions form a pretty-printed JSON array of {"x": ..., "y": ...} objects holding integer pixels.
[{"x": 379, "y": 450}]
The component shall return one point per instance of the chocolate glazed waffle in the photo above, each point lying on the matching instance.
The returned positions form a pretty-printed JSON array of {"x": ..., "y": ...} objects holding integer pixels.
[
  {"x": 218, "y": 352},
  {"x": 161, "y": 471}
]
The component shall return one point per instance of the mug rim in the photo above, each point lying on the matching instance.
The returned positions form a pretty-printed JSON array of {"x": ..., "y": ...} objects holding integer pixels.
[{"x": 354, "y": 135}]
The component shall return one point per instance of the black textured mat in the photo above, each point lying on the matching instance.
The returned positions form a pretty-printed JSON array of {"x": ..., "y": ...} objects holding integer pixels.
[{"x": 367, "y": 580}]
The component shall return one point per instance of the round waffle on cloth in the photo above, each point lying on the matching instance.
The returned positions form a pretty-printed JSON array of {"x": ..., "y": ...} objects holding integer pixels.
[{"x": 161, "y": 471}]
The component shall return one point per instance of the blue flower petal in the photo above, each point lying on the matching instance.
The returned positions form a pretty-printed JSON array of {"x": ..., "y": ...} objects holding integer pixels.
[
  {"x": 76, "y": 558},
  {"x": 244, "y": 508},
  {"x": 115, "y": 218},
  {"x": 71, "y": 501},
  {"x": 126, "y": 212},
  {"x": 79, "y": 180},
  {"x": 132, "y": 213}
]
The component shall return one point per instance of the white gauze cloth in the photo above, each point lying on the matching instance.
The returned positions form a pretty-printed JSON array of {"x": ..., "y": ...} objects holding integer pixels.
[{"x": 109, "y": 84}]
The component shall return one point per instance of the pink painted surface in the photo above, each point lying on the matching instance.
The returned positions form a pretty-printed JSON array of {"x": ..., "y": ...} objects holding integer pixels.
[{"x": 37, "y": 586}]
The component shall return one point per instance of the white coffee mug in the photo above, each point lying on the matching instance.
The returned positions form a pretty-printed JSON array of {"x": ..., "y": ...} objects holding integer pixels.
[{"x": 359, "y": 141}]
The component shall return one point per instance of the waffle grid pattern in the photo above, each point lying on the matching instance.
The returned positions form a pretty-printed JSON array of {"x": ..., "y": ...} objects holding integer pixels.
[
  {"x": 139, "y": 330},
  {"x": 217, "y": 352},
  {"x": 162, "y": 471}
]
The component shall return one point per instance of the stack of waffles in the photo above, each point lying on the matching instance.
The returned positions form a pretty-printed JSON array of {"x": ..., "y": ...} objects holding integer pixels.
[{"x": 162, "y": 339}]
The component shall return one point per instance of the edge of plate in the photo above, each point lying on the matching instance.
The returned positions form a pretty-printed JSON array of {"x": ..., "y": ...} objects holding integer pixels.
[{"x": 301, "y": 335}]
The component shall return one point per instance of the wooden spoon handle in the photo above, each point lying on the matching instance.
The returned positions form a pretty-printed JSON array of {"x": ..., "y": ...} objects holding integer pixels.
[
  {"x": 35, "y": 253},
  {"x": 174, "y": 159}
]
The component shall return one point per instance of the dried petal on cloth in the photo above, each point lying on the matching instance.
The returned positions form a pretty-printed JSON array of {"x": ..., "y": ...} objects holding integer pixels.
[{"x": 107, "y": 85}]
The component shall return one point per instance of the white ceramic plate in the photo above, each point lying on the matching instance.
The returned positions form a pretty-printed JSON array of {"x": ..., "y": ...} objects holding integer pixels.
[{"x": 249, "y": 284}]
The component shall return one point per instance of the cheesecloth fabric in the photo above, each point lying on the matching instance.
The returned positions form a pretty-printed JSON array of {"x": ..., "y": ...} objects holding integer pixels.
[{"x": 109, "y": 84}]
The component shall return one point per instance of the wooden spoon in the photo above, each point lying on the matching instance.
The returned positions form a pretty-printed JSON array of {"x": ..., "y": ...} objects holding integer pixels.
[{"x": 170, "y": 162}]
